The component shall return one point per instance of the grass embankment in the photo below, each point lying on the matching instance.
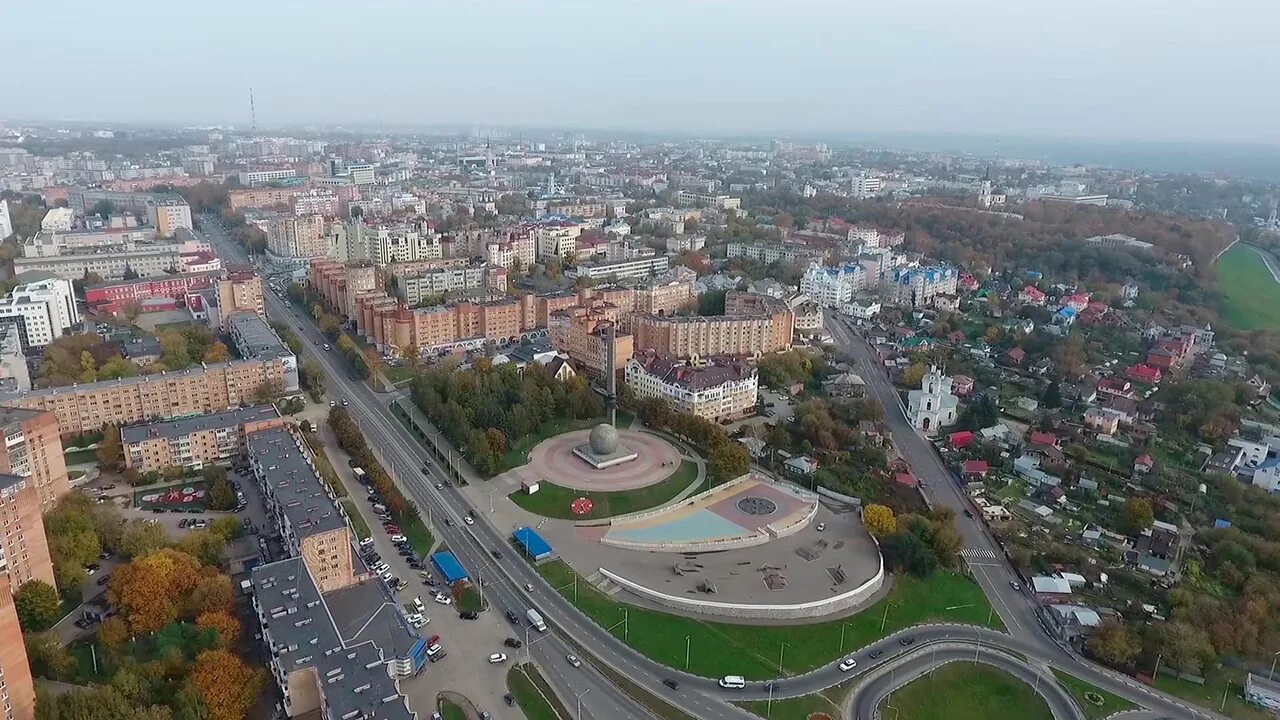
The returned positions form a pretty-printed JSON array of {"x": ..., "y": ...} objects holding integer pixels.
[
  {"x": 533, "y": 695},
  {"x": 717, "y": 649},
  {"x": 419, "y": 536},
  {"x": 801, "y": 708},
  {"x": 81, "y": 457},
  {"x": 323, "y": 466},
  {"x": 358, "y": 525},
  {"x": 553, "y": 500},
  {"x": 964, "y": 691},
  {"x": 451, "y": 711},
  {"x": 1219, "y": 685},
  {"x": 1250, "y": 294},
  {"x": 1095, "y": 702}
]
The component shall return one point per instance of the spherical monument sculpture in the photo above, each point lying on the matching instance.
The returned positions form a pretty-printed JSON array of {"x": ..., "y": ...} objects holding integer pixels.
[{"x": 604, "y": 439}]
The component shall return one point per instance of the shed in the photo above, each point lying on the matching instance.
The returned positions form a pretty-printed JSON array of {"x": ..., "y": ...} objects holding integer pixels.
[
  {"x": 450, "y": 569},
  {"x": 532, "y": 544}
]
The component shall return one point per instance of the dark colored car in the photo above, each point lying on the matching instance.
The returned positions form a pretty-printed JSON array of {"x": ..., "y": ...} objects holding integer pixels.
[
  {"x": 512, "y": 617},
  {"x": 907, "y": 641},
  {"x": 875, "y": 653},
  {"x": 671, "y": 683},
  {"x": 104, "y": 580},
  {"x": 509, "y": 699},
  {"x": 469, "y": 615},
  {"x": 497, "y": 554},
  {"x": 513, "y": 643}
]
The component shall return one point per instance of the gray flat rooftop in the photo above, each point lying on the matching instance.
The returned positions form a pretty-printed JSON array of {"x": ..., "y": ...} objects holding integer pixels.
[
  {"x": 255, "y": 338},
  {"x": 198, "y": 423},
  {"x": 366, "y": 612},
  {"x": 297, "y": 487},
  {"x": 353, "y": 676}
]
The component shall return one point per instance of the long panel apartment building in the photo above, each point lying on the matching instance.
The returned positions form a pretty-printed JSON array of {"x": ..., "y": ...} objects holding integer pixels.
[
  {"x": 208, "y": 388},
  {"x": 195, "y": 442}
]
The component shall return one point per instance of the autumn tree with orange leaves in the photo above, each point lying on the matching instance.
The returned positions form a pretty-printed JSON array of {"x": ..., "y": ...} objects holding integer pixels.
[{"x": 227, "y": 686}]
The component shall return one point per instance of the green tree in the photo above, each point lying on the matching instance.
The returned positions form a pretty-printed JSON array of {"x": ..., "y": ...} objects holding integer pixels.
[
  {"x": 37, "y": 605},
  {"x": 117, "y": 367},
  {"x": 88, "y": 368},
  {"x": 879, "y": 520},
  {"x": 1136, "y": 516},
  {"x": 142, "y": 538},
  {"x": 1114, "y": 644},
  {"x": 48, "y": 657},
  {"x": 268, "y": 391},
  {"x": 914, "y": 375},
  {"x": 103, "y": 209},
  {"x": 1052, "y": 398},
  {"x": 110, "y": 451},
  {"x": 726, "y": 462}
]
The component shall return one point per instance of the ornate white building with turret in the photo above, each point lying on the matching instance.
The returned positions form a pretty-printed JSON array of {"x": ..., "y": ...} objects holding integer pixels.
[{"x": 933, "y": 406}]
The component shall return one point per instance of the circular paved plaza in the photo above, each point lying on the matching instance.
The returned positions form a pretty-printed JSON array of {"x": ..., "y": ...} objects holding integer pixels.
[{"x": 553, "y": 460}]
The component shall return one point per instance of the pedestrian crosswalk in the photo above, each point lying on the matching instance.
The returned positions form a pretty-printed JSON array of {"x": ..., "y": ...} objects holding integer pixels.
[{"x": 978, "y": 554}]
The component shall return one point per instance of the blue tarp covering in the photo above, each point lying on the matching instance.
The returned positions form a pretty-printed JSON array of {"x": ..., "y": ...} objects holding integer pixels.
[
  {"x": 532, "y": 543},
  {"x": 450, "y": 569}
]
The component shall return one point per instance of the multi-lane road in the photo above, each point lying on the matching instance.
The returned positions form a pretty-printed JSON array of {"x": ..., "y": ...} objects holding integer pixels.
[{"x": 513, "y": 585}]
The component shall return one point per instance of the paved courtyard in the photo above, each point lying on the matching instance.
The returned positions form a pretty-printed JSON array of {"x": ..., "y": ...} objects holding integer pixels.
[{"x": 553, "y": 460}]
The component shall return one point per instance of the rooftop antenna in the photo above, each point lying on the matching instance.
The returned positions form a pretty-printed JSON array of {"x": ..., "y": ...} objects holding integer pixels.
[{"x": 253, "y": 115}]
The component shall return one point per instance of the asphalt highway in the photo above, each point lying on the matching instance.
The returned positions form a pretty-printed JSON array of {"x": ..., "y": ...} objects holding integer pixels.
[
  {"x": 878, "y": 687},
  {"x": 511, "y": 584}
]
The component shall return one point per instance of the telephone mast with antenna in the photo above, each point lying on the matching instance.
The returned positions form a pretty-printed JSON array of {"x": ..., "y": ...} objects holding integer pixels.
[{"x": 253, "y": 115}]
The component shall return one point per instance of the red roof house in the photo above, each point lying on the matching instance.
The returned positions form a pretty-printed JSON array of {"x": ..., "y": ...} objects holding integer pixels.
[
  {"x": 906, "y": 479},
  {"x": 1016, "y": 355},
  {"x": 1144, "y": 373},
  {"x": 962, "y": 439},
  {"x": 1143, "y": 463},
  {"x": 961, "y": 385},
  {"x": 1031, "y": 295},
  {"x": 1076, "y": 302},
  {"x": 1044, "y": 438},
  {"x": 975, "y": 468}
]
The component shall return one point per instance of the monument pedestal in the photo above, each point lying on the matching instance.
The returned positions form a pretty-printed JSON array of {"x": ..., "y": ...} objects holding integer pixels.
[{"x": 603, "y": 450}]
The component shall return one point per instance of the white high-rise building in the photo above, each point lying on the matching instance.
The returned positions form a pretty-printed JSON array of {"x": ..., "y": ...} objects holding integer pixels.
[
  {"x": 833, "y": 286},
  {"x": 6, "y": 224},
  {"x": 47, "y": 305}
]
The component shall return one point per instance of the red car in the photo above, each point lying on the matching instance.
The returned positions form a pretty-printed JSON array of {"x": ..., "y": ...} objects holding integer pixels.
[{"x": 392, "y": 529}]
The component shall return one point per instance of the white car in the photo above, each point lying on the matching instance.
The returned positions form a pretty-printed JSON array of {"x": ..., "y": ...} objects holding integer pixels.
[
  {"x": 467, "y": 519},
  {"x": 386, "y": 576},
  {"x": 848, "y": 664},
  {"x": 496, "y": 658},
  {"x": 416, "y": 620},
  {"x": 381, "y": 568},
  {"x": 573, "y": 660},
  {"x": 418, "y": 604},
  {"x": 398, "y": 538},
  {"x": 443, "y": 599}
]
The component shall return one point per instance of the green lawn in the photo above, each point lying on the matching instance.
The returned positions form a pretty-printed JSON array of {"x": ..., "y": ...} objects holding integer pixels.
[
  {"x": 397, "y": 375},
  {"x": 533, "y": 695},
  {"x": 794, "y": 708},
  {"x": 1210, "y": 695},
  {"x": 418, "y": 534},
  {"x": 451, "y": 711},
  {"x": 1250, "y": 293},
  {"x": 358, "y": 524},
  {"x": 964, "y": 691},
  {"x": 75, "y": 474},
  {"x": 552, "y": 500},
  {"x": 471, "y": 599},
  {"x": 717, "y": 649},
  {"x": 1110, "y": 705},
  {"x": 81, "y": 457}
]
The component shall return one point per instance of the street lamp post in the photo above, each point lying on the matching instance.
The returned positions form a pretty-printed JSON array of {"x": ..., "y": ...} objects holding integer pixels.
[
  {"x": 579, "y": 699},
  {"x": 781, "y": 649},
  {"x": 688, "y": 642},
  {"x": 884, "y": 618},
  {"x": 1156, "y": 674},
  {"x": 1271, "y": 674}
]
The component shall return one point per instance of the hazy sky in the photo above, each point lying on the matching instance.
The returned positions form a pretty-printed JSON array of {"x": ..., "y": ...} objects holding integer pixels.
[{"x": 1119, "y": 69}]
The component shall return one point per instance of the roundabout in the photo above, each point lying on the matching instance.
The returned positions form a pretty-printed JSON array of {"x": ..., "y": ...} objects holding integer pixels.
[{"x": 559, "y": 460}]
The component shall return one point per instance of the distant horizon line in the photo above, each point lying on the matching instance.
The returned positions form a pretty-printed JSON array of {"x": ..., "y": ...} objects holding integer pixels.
[{"x": 462, "y": 128}]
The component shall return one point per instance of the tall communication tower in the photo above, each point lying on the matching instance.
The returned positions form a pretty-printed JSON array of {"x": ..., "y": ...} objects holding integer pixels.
[{"x": 253, "y": 115}]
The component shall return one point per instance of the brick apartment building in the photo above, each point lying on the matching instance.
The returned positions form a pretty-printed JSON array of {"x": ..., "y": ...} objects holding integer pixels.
[
  {"x": 204, "y": 389},
  {"x": 195, "y": 442},
  {"x": 33, "y": 450},
  {"x": 240, "y": 291}
]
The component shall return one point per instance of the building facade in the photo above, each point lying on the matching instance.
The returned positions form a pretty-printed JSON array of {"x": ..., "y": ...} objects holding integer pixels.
[
  {"x": 918, "y": 286},
  {"x": 209, "y": 388},
  {"x": 718, "y": 389},
  {"x": 194, "y": 442},
  {"x": 240, "y": 291}
]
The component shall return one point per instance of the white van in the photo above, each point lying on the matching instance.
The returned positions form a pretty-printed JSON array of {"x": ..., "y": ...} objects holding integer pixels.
[{"x": 733, "y": 682}]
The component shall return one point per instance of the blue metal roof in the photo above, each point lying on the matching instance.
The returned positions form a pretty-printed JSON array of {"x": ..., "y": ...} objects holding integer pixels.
[
  {"x": 532, "y": 542},
  {"x": 449, "y": 567}
]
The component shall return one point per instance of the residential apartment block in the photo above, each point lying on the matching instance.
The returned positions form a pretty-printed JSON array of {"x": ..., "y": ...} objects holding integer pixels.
[
  {"x": 833, "y": 286},
  {"x": 613, "y": 270},
  {"x": 19, "y": 698},
  {"x": 918, "y": 286},
  {"x": 33, "y": 450},
  {"x": 240, "y": 291},
  {"x": 255, "y": 339},
  {"x": 583, "y": 334},
  {"x": 194, "y": 442},
  {"x": 717, "y": 389},
  {"x": 769, "y": 253},
  {"x": 208, "y": 388},
  {"x": 700, "y": 337},
  {"x": 298, "y": 237}
]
